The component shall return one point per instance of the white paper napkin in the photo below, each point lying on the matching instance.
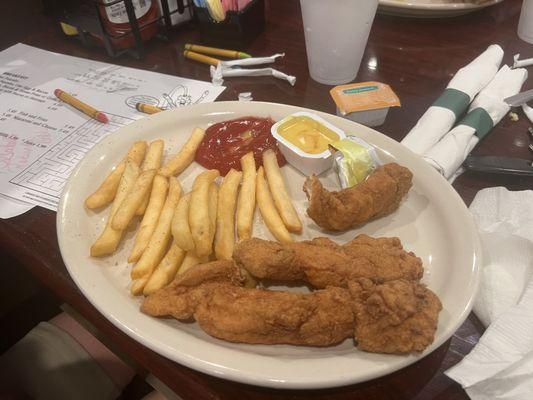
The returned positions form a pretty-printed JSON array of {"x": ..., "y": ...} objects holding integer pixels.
[
  {"x": 501, "y": 364},
  {"x": 449, "y": 153},
  {"x": 437, "y": 121}
]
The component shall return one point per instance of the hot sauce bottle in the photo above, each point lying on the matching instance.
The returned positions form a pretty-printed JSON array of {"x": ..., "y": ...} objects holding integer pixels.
[{"x": 116, "y": 22}]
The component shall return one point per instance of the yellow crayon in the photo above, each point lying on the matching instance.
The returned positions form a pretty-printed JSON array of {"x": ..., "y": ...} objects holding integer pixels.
[
  {"x": 201, "y": 58},
  {"x": 216, "y": 52},
  {"x": 147, "y": 108},
  {"x": 81, "y": 106}
]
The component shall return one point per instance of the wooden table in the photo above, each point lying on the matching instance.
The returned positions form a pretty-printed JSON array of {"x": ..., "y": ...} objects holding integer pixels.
[{"x": 416, "y": 57}]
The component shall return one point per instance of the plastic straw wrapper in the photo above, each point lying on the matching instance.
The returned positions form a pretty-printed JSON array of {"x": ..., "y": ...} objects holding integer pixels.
[
  {"x": 245, "y": 62},
  {"x": 218, "y": 73}
]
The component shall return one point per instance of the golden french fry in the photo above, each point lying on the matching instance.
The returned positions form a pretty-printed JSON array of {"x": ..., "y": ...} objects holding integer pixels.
[
  {"x": 166, "y": 270},
  {"x": 180, "y": 224},
  {"x": 185, "y": 156},
  {"x": 127, "y": 208},
  {"x": 213, "y": 202},
  {"x": 154, "y": 155},
  {"x": 107, "y": 190},
  {"x": 149, "y": 221},
  {"x": 279, "y": 192},
  {"x": 225, "y": 228},
  {"x": 152, "y": 161},
  {"x": 268, "y": 210},
  {"x": 137, "y": 285},
  {"x": 155, "y": 250},
  {"x": 199, "y": 210},
  {"x": 246, "y": 203},
  {"x": 142, "y": 207},
  {"x": 108, "y": 241},
  {"x": 190, "y": 260}
]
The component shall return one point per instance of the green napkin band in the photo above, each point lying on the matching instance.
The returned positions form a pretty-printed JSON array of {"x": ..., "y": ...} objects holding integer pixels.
[
  {"x": 454, "y": 100},
  {"x": 480, "y": 120}
]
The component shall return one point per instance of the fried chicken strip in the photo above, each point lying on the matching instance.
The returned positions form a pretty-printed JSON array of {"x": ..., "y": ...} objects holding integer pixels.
[
  {"x": 379, "y": 195},
  {"x": 322, "y": 262},
  {"x": 231, "y": 312},
  {"x": 395, "y": 317}
]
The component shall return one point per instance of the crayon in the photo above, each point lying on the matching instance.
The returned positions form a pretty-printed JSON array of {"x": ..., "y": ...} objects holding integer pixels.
[
  {"x": 216, "y": 52},
  {"x": 80, "y": 105},
  {"x": 147, "y": 108},
  {"x": 201, "y": 58}
]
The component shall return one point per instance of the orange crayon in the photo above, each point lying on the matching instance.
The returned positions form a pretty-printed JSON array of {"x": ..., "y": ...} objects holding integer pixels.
[{"x": 80, "y": 105}]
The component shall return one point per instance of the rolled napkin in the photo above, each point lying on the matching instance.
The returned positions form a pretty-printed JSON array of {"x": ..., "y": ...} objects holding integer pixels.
[
  {"x": 487, "y": 109},
  {"x": 454, "y": 101},
  {"x": 501, "y": 365}
]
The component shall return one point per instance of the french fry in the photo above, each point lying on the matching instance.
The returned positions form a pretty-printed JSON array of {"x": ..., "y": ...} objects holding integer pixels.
[
  {"x": 279, "y": 192},
  {"x": 166, "y": 270},
  {"x": 199, "y": 221},
  {"x": 140, "y": 191},
  {"x": 149, "y": 221},
  {"x": 108, "y": 241},
  {"x": 107, "y": 190},
  {"x": 213, "y": 202},
  {"x": 154, "y": 155},
  {"x": 185, "y": 156},
  {"x": 180, "y": 224},
  {"x": 152, "y": 161},
  {"x": 246, "y": 203},
  {"x": 157, "y": 246},
  {"x": 137, "y": 285},
  {"x": 268, "y": 210},
  {"x": 190, "y": 260},
  {"x": 225, "y": 227}
]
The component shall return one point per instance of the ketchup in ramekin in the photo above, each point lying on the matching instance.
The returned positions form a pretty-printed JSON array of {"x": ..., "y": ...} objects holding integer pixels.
[{"x": 226, "y": 142}]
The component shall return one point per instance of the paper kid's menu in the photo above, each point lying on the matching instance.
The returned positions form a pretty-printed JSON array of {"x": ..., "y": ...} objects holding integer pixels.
[{"x": 42, "y": 138}]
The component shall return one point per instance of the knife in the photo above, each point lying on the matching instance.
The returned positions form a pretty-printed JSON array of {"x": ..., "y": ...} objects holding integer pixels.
[
  {"x": 520, "y": 98},
  {"x": 499, "y": 165}
]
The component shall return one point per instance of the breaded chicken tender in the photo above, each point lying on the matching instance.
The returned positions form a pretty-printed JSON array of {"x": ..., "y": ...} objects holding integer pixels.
[
  {"x": 394, "y": 317},
  {"x": 379, "y": 195},
  {"x": 321, "y": 262},
  {"x": 228, "y": 311}
]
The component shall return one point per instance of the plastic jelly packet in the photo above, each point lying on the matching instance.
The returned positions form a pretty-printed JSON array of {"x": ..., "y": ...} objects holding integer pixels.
[{"x": 353, "y": 160}]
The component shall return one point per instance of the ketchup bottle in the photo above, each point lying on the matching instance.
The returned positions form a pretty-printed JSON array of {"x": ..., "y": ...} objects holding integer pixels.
[{"x": 116, "y": 22}]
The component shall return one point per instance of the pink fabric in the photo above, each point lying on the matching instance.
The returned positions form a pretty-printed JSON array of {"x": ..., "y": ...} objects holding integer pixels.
[
  {"x": 119, "y": 372},
  {"x": 242, "y": 4},
  {"x": 226, "y": 5}
]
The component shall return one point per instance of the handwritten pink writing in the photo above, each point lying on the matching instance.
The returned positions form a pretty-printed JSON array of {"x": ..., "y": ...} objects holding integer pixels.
[
  {"x": 23, "y": 157},
  {"x": 7, "y": 153}
]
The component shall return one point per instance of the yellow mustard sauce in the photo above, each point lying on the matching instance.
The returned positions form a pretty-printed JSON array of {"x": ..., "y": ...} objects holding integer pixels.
[{"x": 307, "y": 134}]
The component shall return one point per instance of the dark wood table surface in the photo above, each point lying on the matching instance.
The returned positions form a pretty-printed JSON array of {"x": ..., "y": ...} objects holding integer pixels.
[{"x": 417, "y": 57}]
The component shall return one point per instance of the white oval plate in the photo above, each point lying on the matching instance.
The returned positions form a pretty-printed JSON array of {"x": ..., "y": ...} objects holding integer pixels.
[
  {"x": 431, "y": 8},
  {"x": 432, "y": 221}
]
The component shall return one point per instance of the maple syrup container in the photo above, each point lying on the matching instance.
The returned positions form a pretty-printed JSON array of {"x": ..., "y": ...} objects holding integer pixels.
[{"x": 116, "y": 22}]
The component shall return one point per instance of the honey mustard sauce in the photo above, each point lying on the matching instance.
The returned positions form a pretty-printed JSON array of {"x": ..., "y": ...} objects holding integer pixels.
[{"x": 307, "y": 134}]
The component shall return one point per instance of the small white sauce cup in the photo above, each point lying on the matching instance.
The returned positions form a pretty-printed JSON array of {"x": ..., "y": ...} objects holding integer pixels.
[{"x": 306, "y": 163}]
